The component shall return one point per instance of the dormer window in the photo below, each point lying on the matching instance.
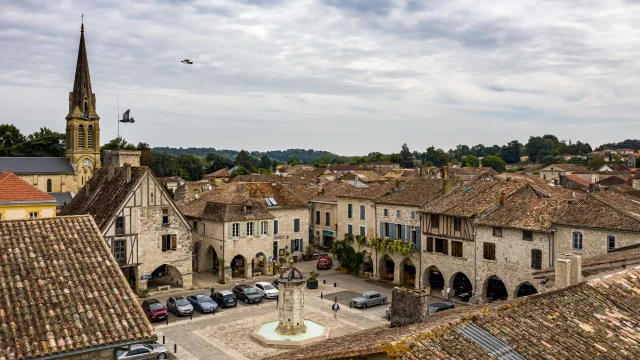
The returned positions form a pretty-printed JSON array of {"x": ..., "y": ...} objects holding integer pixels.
[{"x": 247, "y": 209}]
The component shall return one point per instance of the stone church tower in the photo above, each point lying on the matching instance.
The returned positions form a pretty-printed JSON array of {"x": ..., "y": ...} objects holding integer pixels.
[{"x": 83, "y": 123}]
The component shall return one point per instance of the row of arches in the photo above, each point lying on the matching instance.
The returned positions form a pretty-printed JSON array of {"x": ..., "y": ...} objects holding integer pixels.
[{"x": 241, "y": 267}]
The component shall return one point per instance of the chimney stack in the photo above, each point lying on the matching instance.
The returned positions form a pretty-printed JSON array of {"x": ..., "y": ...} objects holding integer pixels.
[
  {"x": 568, "y": 270},
  {"x": 445, "y": 172},
  {"x": 503, "y": 199},
  {"x": 127, "y": 170}
]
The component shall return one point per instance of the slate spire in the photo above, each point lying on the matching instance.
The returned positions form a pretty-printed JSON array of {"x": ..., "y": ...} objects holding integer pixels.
[{"x": 82, "y": 97}]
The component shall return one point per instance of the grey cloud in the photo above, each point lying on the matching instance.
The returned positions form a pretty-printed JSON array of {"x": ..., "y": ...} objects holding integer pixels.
[{"x": 377, "y": 7}]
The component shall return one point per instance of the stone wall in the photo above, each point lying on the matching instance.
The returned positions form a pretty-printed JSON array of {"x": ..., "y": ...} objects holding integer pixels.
[
  {"x": 317, "y": 229},
  {"x": 448, "y": 265},
  {"x": 107, "y": 354},
  {"x": 594, "y": 241},
  {"x": 118, "y": 158},
  {"x": 59, "y": 183},
  {"x": 408, "y": 306},
  {"x": 343, "y": 220}
]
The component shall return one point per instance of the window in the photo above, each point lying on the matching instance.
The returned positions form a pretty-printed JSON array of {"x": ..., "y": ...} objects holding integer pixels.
[
  {"x": 456, "y": 248},
  {"x": 318, "y": 217},
  {"x": 275, "y": 227},
  {"x": 441, "y": 246},
  {"x": 527, "y": 235},
  {"x": 120, "y": 225},
  {"x": 398, "y": 213},
  {"x": 536, "y": 259},
  {"x": 457, "y": 224},
  {"x": 204, "y": 229},
  {"x": 489, "y": 251},
  {"x": 81, "y": 136},
  {"x": 90, "y": 136},
  {"x": 349, "y": 229},
  {"x": 429, "y": 244},
  {"x": 169, "y": 242},
  {"x": 363, "y": 231},
  {"x": 497, "y": 231},
  {"x": 435, "y": 221},
  {"x": 327, "y": 219},
  {"x": 49, "y": 185},
  {"x": 386, "y": 212},
  {"x": 249, "y": 228},
  {"x": 414, "y": 235},
  {"x": 387, "y": 229},
  {"x": 195, "y": 227},
  {"x": 611, "y": 242},
  {"x": 165, "y": 216},
  {"x": 413, "y": 215},
  {"x": 296, "y": 245},
  {"x": 296, "y": 225},
  {"x": 350, "y": 211},
  {"x": 362, "y": 212},
  {"x": 235, "y": 230},
  {"x": 119, "y": 251},
  {"x": 577, "y": 240},
  {"x": 399, "y": 228},
  {"x": 33, "y": 215},
  {"x": 264, "y": 227}
]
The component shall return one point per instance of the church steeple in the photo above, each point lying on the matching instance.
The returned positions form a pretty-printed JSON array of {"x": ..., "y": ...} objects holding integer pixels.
[{"x": 82, "y": 97}]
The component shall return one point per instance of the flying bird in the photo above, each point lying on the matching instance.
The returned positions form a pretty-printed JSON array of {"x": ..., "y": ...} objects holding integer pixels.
[
  {"x": 187, "y": 61},
  {"x": 126, "y": 118}
]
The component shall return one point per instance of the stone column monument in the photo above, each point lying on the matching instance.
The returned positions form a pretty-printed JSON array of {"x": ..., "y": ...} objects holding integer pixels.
[{"x": 291, "y": 302}]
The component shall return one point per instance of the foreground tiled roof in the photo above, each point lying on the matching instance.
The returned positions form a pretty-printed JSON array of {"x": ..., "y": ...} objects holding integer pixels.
[
  {"x": 599, "y": 319},
  {"x": 473, "y": 198},
  {"x": 603, "y": 210},
  {"x": 14, "y": 189},
  {"x": 105, "y": 196},
  {"x": 61, "y": 290},
  {"x": 526, "y": 214},
  {"x": 414, "y": 193}
]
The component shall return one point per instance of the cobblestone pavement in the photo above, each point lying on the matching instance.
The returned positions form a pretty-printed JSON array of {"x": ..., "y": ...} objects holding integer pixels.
[{"x": 225, "y": 335}]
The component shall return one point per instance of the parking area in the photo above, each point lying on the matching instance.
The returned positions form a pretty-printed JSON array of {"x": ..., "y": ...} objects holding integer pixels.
[{"x": 225, "y": 334}]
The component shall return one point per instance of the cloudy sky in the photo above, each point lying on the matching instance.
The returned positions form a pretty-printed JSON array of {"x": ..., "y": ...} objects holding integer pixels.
[{"x": 348, "y": 76}]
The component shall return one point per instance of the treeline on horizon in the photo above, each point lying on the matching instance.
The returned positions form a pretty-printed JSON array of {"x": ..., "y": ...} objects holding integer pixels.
[{"x": 192, "y": 163}]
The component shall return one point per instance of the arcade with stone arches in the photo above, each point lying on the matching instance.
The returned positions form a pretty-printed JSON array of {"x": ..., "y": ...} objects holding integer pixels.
[
  {"x": 461, "y": 286},
  {"x": 408, "y": 273},
  {"x": 165, "y": 275}
]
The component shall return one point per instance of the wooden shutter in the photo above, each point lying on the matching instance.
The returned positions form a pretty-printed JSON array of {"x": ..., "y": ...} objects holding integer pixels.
[
  {"x": 429, "y": 244},
  {"x": 392, "y": 231},
  {"x": 445, "y": 246},
  {"x": 266, "y": 223},
  {"x": 418, "y": 237},
  {"x": 230, "y": 230},
  {"x": 381, "y": 234},
  {"x": 292, "y": 245},
  {"x": 407, "y": 233},
  {"x": 536, "y": 259},
  {"x": 275, "y": 227},
  {"x": 243, "y": 229},
  {"x": 174, "y": 242}
]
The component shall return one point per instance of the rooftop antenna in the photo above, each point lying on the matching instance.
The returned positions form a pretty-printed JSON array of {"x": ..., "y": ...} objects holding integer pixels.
[{"x": 118, "y": 119}]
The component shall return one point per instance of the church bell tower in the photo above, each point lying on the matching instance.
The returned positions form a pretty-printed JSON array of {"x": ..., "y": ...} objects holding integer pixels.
[{"x": 83, "y": 123}]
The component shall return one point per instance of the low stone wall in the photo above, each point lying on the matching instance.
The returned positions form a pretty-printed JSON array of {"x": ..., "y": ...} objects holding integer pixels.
[{"x": 408, "y": 306}]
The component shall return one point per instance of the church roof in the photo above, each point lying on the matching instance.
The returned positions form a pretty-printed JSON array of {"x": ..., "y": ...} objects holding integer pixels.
[
  {"x": 36, "y": 165},
  {"x": 82, "y": 84}
]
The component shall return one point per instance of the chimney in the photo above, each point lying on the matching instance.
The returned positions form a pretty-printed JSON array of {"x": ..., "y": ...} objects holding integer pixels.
[
  {"x": 88, "y": 189},
  {"x": 592, "y": 187},
  {"x": 127, "y": 170},
  {"x": 409, "y": 306},
  {"x": 447, "y": 185},
  {"x": 568, "y": 270},
  {"x": 110, "y": 172},
  {"x": 503, "y": 199},
  {"x": 445, "y": 172}
]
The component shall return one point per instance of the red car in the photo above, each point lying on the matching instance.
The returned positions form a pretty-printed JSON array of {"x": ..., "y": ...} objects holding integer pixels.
[
  {"x": 154, "y": 310},
  {"x": 324, "y": 262}
]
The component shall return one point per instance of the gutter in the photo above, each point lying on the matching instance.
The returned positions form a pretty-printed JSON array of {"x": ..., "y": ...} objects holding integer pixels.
[{"x": 115, "y": 347}]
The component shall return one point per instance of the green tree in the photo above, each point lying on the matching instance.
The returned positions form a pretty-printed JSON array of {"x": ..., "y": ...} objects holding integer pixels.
[
  {"x": 241, "y": 170},
  {"x": 164, "y": 164},
  {"x": 43, "y": 143},
  {"x": 293, "y": 160},
  {"x": 244, "y": 159},
  {"x": 495, "y": 163},
  {"x": 146, "y": 154},
  {"x": 192, "y": 166},
  {"x": 437, "y": 157},
  {"x": 510, "y": 153},
  {"x": 10, "y": 137},
  {"x": 407, "y": 156},
  {"x": 218, "y": 162},
  {"x": 548, "y": 160},
  {"x": 470, "y": 161},
  {"x": 596, "y": 163},
  {"x": 265, "y": 162}
]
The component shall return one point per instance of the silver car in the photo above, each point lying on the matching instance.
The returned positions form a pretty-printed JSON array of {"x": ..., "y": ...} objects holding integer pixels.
[
  {"x": 144, "y": 351},
  {"x": 369, "y": 298},
  {"x": 179, "y": 306},
  {"x": 267, "y": 290}
]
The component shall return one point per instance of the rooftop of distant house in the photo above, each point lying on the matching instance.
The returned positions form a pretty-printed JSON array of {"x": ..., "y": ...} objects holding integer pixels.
[
  {"x": 603, "y": 210},
  {"x": 416, "y": 192},
  {"x": 347, "y": 167},
  {"x": 17, "y": 191},
  {"x": 531, "y": 214},
  {"x": 221, "y": 173},
  {"x": 369, "y": 191}
]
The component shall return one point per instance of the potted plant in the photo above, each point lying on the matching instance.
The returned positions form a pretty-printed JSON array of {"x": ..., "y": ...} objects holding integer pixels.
[{"x": 312, "y": 280}]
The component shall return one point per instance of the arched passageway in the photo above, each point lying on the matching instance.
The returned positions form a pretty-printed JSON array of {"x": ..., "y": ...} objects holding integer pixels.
[
  {"x": 526, "y": 289},
  {"x": 434, "y": 278},
  {"x": 387, "y": 267},
  {"x": 461, "y": 286},
  {"x": 408, "y": 273},
  {"x": 367, "y": 262},
  {"x": 238, "y": 266},
  {"x": 165, "y": 275},
  {"x": 494, "y": 289}
]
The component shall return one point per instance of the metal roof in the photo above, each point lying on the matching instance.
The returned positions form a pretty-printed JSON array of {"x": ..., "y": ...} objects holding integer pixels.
[
  {"x": 36, "y": 165},
  {"x": 62, "y": 198},
  {"x": 490, "y": 343}
]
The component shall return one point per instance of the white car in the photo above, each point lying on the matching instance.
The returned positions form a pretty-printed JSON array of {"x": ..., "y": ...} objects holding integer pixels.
[{"x": 266, "y": 289}]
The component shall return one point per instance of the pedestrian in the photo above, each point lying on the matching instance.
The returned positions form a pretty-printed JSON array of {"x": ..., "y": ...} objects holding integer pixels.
[
  {"x": 237, "y": 282},
  {"x": 335, "y": 309}
]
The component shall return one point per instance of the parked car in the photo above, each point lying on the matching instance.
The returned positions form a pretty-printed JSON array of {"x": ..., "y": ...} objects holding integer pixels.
[
  {"x": 324, "y": 262},
  {"x": 267, "y": 290},
  {"x": 246, "y": 293},
  {"x": 154, "y": 310},
  {"x": 179, "y": 306},
  {"x": 440, "y": 306},
  {"x": 202, "y": 303},
  {"x": 225, "y": 298},
  {"x": 369, "y": 298},
  {"x": 144, "y": 351}
]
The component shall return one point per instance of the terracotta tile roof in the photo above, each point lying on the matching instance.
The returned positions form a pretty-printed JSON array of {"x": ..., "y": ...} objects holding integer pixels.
[
  {"x": 417, "y": 192},
  {"x": 368, "y": 175},
  {"x": 293, "y": 180},
  {"x": 473, "y": 198},
  {"x": 578, "y": 180},
  {"x": 470, "y": 171},
  {"x": 14, "y": 189},
  {"x": 105, "y": 196},
  {"x": 189, "y": 190},
  {"x": 369, "y": 191},
  {"x": 603, "y": 210},
  {"x": 598, "y": 319},
  {"x": 526, "y": 214},
  {"x": 235, "y": 212},
  {"x": 541, "y": 186},
  {"x": 347, "y": 167},
  {"x": 568, "y": 167},
  {"x": 222, "y": 173},
  {"x": 330, "y": 191},
  {"x": 165, "y": 179},
  {"x": 63, "y": 291},
  {"x": 612, "y": 180}
]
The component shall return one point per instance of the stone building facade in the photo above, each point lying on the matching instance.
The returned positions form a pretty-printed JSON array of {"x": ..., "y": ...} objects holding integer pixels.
[
  {"x": 148, "y": 236},
  {"x": 588, "y": 242}
]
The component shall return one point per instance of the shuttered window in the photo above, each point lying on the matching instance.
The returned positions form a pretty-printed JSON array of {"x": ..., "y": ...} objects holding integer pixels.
[
  {"x": 456, "y": 248},
  {"x": 362, "y": 212},
  {"x": 441, "y": 246},
  {"x": 349, "y": 229},
  {"x": 235, "y": 230},
  {"x": 296, "y": 225},
  {"x": 536, "y": 259},
  {"x": 275, "y": 227},
  {"x": 399, "y": 231},
  {"x": 435, "y": 221},
  {"x": 489, "y": 251},
  {"x": 429, "y": 244},
  {"x": 169, "y": 242},
  {"x": 249, "y": 228},
  {"x": 363, "y": 231},
  {"x": 457, "y": 224},
  {"x": 327, "y": 219},
  {"x": 349, "y": 211},
  {"x": 497, "y": 231},
  {"x": 318, "y": 217},
  {"x": 527, "y": 235}
]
